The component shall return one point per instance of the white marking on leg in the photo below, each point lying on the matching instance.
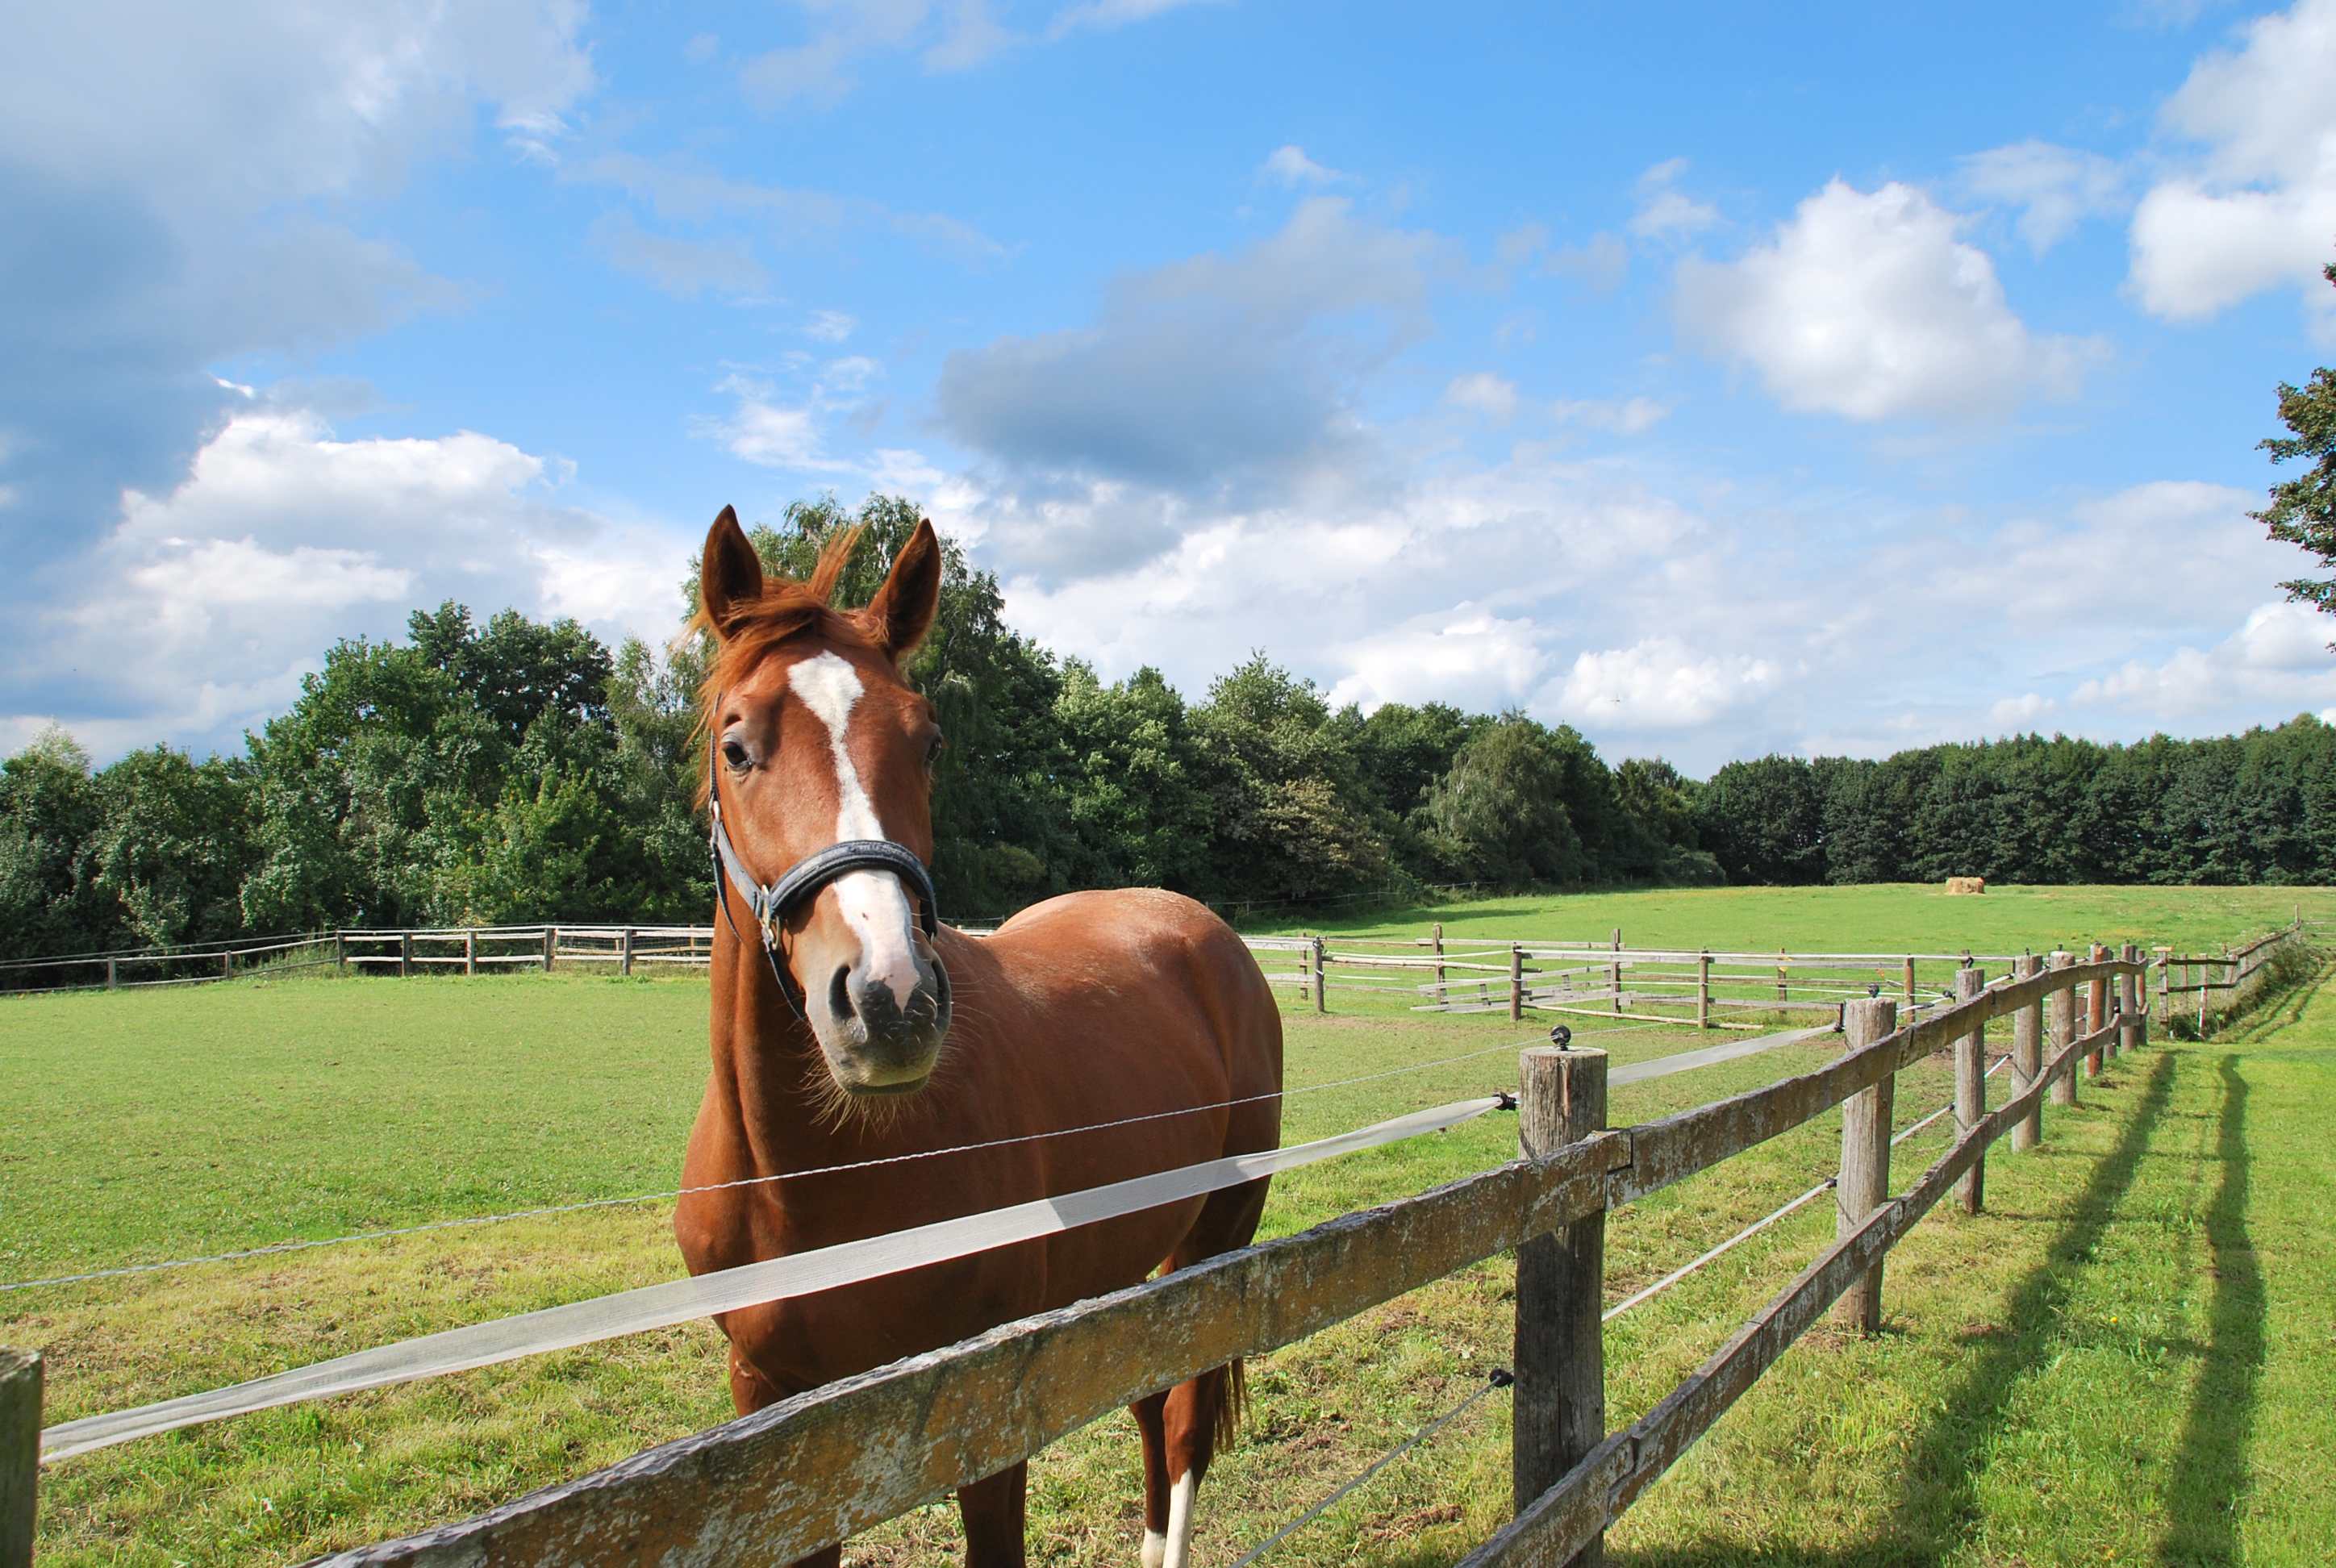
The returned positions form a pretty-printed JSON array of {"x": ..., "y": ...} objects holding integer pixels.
[
  {"x": 1180, "y": 1522},
  {"x": 874, "y": 904},
  {"x": 1155, "y": 1549}
]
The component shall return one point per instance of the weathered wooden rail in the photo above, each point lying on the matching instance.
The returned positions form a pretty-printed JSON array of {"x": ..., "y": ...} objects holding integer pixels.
[{"x": 774, "y": 1486}]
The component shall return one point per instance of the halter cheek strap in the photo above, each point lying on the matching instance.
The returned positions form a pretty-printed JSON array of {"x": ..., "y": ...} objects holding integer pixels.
[{"x": 773, "y": 903}]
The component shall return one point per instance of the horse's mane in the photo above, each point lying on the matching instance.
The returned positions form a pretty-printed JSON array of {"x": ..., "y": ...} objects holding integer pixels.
[{"x": 788, "y": 609}]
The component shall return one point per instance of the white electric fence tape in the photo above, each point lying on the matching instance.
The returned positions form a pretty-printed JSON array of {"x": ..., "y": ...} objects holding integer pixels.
[
  {"x": 728, "y": 1290},
  {"x": 1685, "y": 1061},
  {"x": 387, "y": 1234}
]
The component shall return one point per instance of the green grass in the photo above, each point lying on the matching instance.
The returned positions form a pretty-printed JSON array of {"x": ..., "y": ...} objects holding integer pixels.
[
  {"x": 2129, "y": 1358},
  {"x": 1876, "y": 919}
]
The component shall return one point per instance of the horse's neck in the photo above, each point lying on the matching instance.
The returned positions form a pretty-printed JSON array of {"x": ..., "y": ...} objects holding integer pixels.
[{"x": 767, "y": 1065}]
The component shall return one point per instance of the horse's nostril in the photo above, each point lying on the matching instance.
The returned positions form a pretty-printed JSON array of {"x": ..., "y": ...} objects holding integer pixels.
[{"x": 839, "y": 994}]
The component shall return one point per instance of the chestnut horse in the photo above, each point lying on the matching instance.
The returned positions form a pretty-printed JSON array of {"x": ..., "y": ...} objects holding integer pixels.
[{"x": 849, "y": 1026}]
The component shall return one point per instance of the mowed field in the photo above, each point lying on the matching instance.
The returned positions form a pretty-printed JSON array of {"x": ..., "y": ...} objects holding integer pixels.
[{"x": 2130, "y": 1358}]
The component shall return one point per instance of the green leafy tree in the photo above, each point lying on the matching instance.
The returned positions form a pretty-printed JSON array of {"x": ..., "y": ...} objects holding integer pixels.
[
  {"x": 1128, "y": 776},
  {"x": 174, "y": 844},
  {"x": 1292, "y": 818},
  {"x": 1764, "y": 821},
  {"x": 1499, "y": 815},
  {"x": 51, "y": 902},
  {"x": 2302, "y": 509}
]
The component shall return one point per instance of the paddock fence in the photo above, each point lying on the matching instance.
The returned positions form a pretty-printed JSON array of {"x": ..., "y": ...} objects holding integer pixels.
[
  {"x": 817, "y": 1468},
  {"x": 2221, "y": 986}
]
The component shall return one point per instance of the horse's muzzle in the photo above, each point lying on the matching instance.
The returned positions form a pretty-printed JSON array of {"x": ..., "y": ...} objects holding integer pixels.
[{"x": 875, "y": 1044}]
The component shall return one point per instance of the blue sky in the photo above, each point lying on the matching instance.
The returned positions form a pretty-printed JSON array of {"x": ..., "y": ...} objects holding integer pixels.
[{"x": 1717, "y": 381}]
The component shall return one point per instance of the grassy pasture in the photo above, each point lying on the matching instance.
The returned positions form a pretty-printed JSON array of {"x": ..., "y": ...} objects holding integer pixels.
[
  {"x": 2129, "y": 1358},
  {"x": 1882, "y": 918}
]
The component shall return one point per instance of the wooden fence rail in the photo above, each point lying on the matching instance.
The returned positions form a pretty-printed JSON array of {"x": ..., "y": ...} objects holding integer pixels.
[{"x": 776, "y": 1486}]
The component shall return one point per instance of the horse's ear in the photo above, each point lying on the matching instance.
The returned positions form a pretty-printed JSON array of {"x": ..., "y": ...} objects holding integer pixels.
[
  {"x": 731, "y": 574},
  {"x": 902, "y": 611}
]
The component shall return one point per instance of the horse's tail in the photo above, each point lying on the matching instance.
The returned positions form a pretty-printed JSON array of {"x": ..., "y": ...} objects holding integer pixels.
[{"x": 1232, "y": 1404}]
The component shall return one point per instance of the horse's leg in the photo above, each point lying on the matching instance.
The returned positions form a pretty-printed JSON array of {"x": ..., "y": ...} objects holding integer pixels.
[
  {"x": 1151, "y": 1421},
  {"x": 1200, "y": 1412},
  {"x": 993, "y": 1511},
  {"x": 750, "y": 1391}
]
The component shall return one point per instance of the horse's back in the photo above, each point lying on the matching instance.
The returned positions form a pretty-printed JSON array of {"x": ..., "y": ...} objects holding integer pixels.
[{"x": 1146, "y": 964}]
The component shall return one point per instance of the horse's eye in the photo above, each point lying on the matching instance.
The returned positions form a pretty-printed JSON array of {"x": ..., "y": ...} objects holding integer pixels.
[
  {"x": 933, "y": 752},
  {"x": 734, "y": 755}
]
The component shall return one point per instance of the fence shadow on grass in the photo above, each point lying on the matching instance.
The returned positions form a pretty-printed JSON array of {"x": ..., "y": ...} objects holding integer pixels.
[
  {"x": 2209, "y": 1477},
  {"x": 1940, "y": 1507}
]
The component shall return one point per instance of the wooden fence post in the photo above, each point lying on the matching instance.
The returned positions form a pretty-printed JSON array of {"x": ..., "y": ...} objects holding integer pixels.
[
  {"x": 1516, "y": 983},
  {"x": 1438, "y": 939},
  {"x": 1864, "y": 1179},
  {"x": 2027, "y": 1053},
  {"x": 2097, "y": 1011},
  {"x": 1781, "y": 975},
  {"x": 341, "y": 951},
  {"x": 625, "y": 953},
  {"x": 227, "y": 965},
  {"x": 1561, "y": 1355},
  {"x": 2061, "y": 1021},
  {"x": 1970, "y": 1087},
  {"x": 1614, "y": 978},
  {"x": 1910, "y": 985},
  {"x": 113, "y": 975},
  {"x": 1703, "y": 990},
  {"x": 550, "y": 946},
  {"x": 20, "y": 1453},
  {"x": 2133, "y": 1021},
  {"x": 404, "y": 954},
  {"x": 470, "y": 952},
  {"x": 2165, "y": 981}
]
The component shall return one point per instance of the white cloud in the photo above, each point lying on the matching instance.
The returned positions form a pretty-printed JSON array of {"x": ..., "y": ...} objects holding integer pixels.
[
  {"x": 1626, "y": 416},
  {"x": 1486, "y": 661},
  {"x": 1220, "y": 383},
  {"x": 2277, "y": 665},
  {"x": 2255, "y": 206},
  {"x": 770, "y": 433},
  {"x": 1666, "y": 212},
  {"x": 1660, "y": 683},
  {"x": 1601, "y": 262},
  {"x": 1105, "y": 14},
  {"x": 2055, "y": 187},
  {"x": 1290, "y": 165},
  {"x": 181, "y": 179},
  {"x": 681, "y": 268},
  {"x": 197, "y": 616},
  {"x": 1868, "y": 305},
  {"x": 1486, "y": 393},
  {"x": 696, "y": 197},
  {"x": 830, "y": 326}
]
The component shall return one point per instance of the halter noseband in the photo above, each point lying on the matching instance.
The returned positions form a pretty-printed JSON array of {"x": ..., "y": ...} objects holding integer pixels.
[{"x": 773, "y": 903}]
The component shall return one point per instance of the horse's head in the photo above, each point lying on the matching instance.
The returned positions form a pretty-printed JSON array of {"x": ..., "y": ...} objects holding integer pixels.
[{"x": 815, "y": 741}]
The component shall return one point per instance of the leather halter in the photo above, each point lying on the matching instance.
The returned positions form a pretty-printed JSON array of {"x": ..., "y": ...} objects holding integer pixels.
[{"x": 773, "y": 903}]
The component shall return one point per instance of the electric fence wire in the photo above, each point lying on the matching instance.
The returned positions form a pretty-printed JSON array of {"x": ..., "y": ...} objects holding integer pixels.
[
  {"x": 387, "y": 1234},
  {"x": 1502, "y": 1378}
]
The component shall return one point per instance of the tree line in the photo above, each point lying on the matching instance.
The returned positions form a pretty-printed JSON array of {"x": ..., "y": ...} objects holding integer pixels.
[{"x": 513, "y": 772}]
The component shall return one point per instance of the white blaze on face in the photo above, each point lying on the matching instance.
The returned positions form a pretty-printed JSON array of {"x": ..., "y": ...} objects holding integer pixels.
[{"x": 873, "y": 901}]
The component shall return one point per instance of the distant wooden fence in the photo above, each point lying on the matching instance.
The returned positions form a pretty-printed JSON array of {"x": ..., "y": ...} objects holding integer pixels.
[
  {"x": 778, "y": 1484},
  {"x": 1516, "y": 975}
]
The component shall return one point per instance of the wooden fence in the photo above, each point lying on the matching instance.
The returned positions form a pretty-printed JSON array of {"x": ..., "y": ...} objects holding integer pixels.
[
  {"x": 778, "y": 1484},
  {"x": 1606, "y": 979}
]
